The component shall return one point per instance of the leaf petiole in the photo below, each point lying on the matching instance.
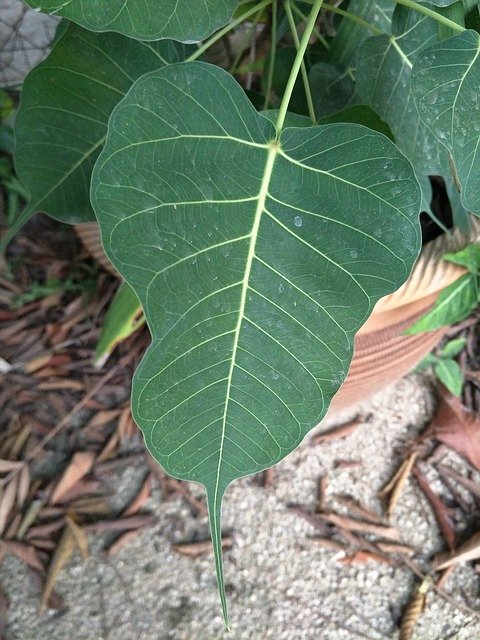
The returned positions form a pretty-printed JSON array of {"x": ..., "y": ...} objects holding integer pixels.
[
  {"x": 297, "y": 63},
  {"x": 432, "y": 14},
  {"x": 227, "y": 28},
  {"x": 303, "y": 68}
]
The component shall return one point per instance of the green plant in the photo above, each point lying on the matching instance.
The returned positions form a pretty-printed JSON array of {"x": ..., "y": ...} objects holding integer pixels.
[
  {"x": 445, "y": 366},
  {"x": 257, "y": 242}
]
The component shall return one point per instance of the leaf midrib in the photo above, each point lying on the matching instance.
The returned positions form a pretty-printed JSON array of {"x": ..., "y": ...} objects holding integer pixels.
[{"x": 273, "y": 148}]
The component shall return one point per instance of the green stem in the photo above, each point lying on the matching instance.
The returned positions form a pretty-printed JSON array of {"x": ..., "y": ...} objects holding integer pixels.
[
  {"x": 303, "y": 68},
  {"x": 297, "y": 63},
  {"x": 352, "y": 17},
  {"x": 227, "y": 28},
  {"x": 317, "y": 33},
  {"x": 241, "y": 51},
  {"x": 273, "y": 50},
  {"x": 431, "y": 14}
]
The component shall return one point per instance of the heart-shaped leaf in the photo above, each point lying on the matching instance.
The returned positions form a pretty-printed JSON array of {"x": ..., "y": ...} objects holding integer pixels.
[
  {"x": 63, "y": 117},
  {"x": 383, "y": 81},
  {"x": 145, "y": 19},
  {"x": 256, "y": 257},
  {"x": 445, "y": 81}
]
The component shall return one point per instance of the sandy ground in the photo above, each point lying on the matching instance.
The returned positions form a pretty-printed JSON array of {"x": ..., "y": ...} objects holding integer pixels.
[{"x": 280, "y": 584}]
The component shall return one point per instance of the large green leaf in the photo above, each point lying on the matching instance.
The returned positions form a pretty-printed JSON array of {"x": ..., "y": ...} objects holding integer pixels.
[
  {"x": 62, "y": 121},
  {"x": 255, "y": 261},
  {"x": 145, "y": 19},
  {"x": 383, "y": 81},
  {"x": 333, "y": 88},
  {"x": 446, "y": 80}
]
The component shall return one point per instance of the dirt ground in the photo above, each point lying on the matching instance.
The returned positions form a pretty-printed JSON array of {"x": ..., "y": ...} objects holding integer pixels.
[{"x": 281, "y": 584}]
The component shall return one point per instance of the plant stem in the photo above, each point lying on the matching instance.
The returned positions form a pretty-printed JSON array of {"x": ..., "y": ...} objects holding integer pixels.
[
  {"x": 297, "y": 63},
  {"x": 273, "y": 50},
  {"x": 226, "y": 29},
  {"x": 431, "y": 14},
  {"x": 317, "y": 33},
  {"x": 303, "y": 68},
  {"x": 352, "y": 17}
]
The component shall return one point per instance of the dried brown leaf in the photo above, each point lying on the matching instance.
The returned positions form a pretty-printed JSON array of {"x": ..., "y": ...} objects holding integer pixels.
[
  {"x": 140, "y": 499},
  {"x": 322, "y": 488},
  {"x": 120, "y": 524},
  {"x": 196, "y": 549},
  {"x": 110, "y": 449},
  {"x": 9, "y": 465},
  {"x": 7, "y": 501},
  {"x": 457, "y": 429},
  {"x": 23, "y": 485},
  {"x": 470, "y": 550},
  {"x": 126, "y": 425},
  {"x": 470, "y": 485},
  {"x": 441, "y": 511},
  {"x": 358, "y": 509},
  {"x": 80, "y": 465},
  {"x": 337, "y": 433},
  {"x": 121, "y": 541},
  {"x": 61, "y": 385},
  {"x": 392, "y": 547},
  {"x": 350, "y": 524},
  {"x": 45, "y": 530},
  {"x": 413, "y": 611},
  {"x": 79, "y": 535},
  {"x": 394, "y": 488},
  {"x": 61, "y": 556},
  {"x": 362, "y": 557},
  {"x": 24, "y": 552}
]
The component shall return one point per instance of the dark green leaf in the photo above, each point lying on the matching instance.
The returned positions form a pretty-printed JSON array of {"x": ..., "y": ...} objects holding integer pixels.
[
  {"x": 332, "y": 88},
  {"x": 145, "y": 19},
  {"x": 255, "y": 261},
  {"x": 445, "y": 81},
  {"x": 383, "y": 81},
  {"x": 63, "y": 117},
  {"x": 460, "y": 216},
  {"x": 455, "y": 303},
  {"x": 450, "y": 374},
  {"x": 359, "y": 114}
]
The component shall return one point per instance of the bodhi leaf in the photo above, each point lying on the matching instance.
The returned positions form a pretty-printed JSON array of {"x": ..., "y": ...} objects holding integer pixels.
[
  {"x": 62, "y": 121},
  {"x": 445, "y": 82},
  {"x": 255, "y": 259},
  {"x": 145, "y": 19},
  {"x": 384, "y": 83}
]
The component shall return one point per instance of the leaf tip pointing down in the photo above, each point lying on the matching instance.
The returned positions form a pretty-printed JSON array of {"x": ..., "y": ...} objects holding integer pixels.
[{"x": 214, "y": 502}]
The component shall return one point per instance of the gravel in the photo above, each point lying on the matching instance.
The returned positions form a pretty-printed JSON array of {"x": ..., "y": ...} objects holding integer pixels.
[{"x": 280, "y": 584}]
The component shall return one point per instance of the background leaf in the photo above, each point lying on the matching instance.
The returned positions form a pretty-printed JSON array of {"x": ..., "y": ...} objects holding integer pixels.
[
  {"x": 449, "y": 373},
  {"x": 145, "y": 19},
  {"x": 383, "y": 81},
  {"x": 255, "y": 263},
  {"x": 445, "y": 81},
  {"x": 62, "y": 121},
  {"x": 454, "y": 304},
  {"x": 333, "y": 88}
]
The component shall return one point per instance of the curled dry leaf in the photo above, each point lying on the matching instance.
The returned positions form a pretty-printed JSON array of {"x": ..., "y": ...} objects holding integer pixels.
[
  {"x": 414, "y": 609},
  {"x": 61, "y": 556},
  {"x": 7, "y": 501},
  {"x": 80, "y": 465},
  {"x": 442, "y": 513},
  {"x": 337, "y": 433},
  {"x": 23, "y": 485},
  {"x": 79, "y": 536},
  {"x": 24, "y": 552},
  {"x": 457, "y": 429},
  {"x": 393, "y": 489},
  {"x": 470, "y": 550},
  {"x": 350, "y": 524},
  {"x": 141, "y": 498},
  {"x": 362, "y": 557}
]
